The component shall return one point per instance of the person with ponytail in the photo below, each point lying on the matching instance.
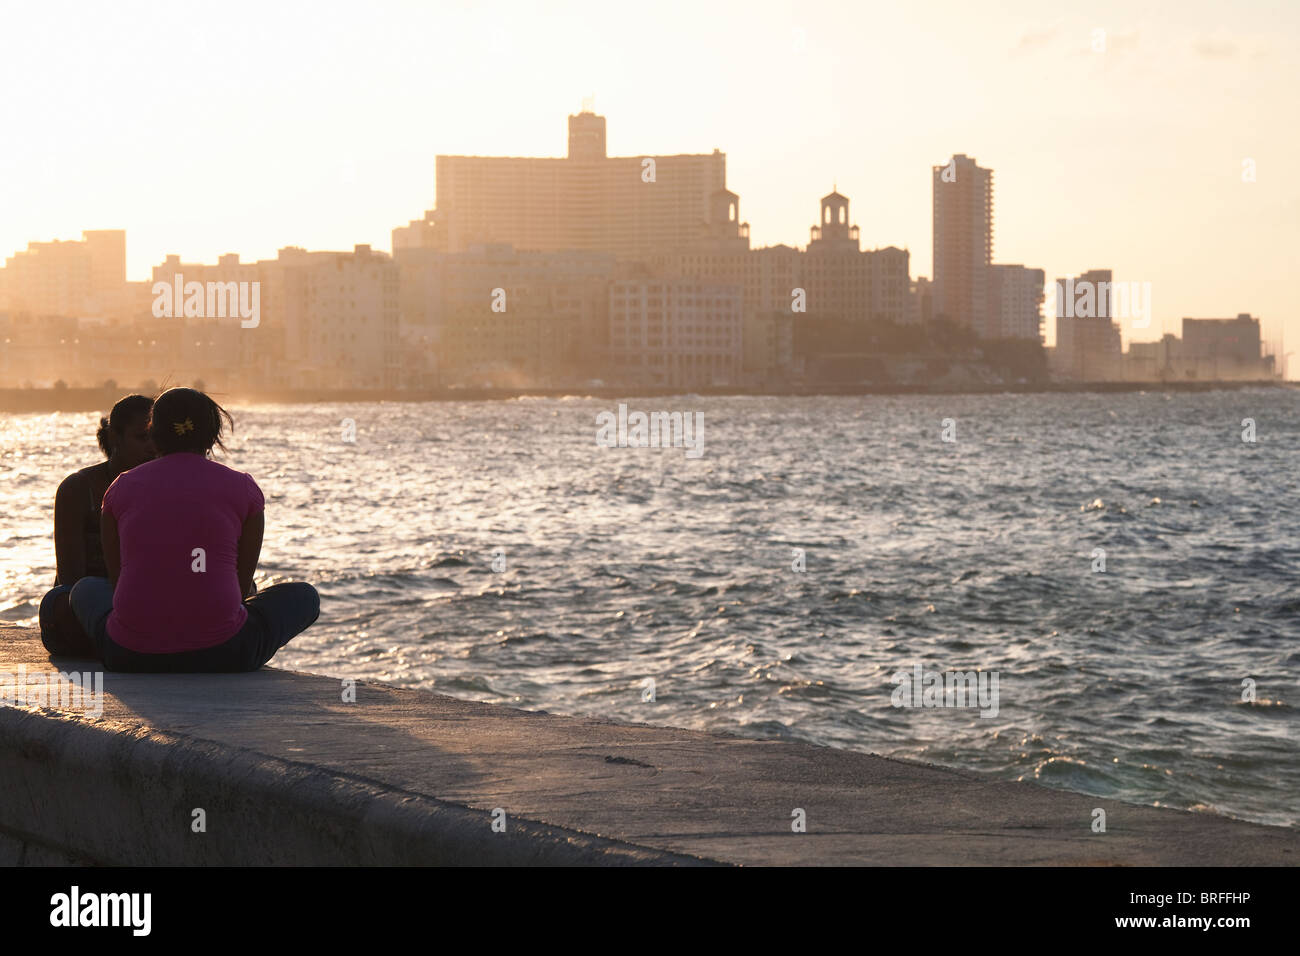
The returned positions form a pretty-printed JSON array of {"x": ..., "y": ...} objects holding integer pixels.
[
  {"x": 182, "y": 537},
  {"x": 124, "y": 438}
]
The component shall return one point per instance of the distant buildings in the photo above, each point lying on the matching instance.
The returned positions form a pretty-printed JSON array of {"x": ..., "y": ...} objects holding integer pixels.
[
  {"x": 80, "y": 279},
  {"x": 679, "y": 333},
  {"x": 963, "y": 242},
  {"x": 1214, "y": 350},
  {"x": 497, "y": 314},
  {"x": 835, "y": 274},
  {"x": 553, "y": 272},
  {"x": 995, "y": 301},
  {"x": 340, "y": 314},
  {"x": 327, "y": 320},
  {"x": 1210, "y": 350},
  {"x": 720, "y": 254},
  {"x": 1154, "y": 361},
  {"x": 843, "y": 281},
  {"x": 1015, "y": 303},
  {"x": 1088, "y": 344},
  {"x": 837, "y": 279},
  {"x": 1231, "y": 341},
  {"x": 671, "y": 214}
]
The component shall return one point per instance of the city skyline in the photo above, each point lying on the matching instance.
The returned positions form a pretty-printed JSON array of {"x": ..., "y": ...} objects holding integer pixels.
[
  {"x": 1179, "y": 105},
  {"x": 588, "y": 201},
  {"x": 553, "y": 235}
]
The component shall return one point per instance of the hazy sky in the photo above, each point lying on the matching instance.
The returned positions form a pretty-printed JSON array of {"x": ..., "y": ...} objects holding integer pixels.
[{"x": 243, "y": 127}]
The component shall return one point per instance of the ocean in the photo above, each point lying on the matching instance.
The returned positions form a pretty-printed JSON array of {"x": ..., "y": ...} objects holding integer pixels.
[{"x": 1125, "y": 565}]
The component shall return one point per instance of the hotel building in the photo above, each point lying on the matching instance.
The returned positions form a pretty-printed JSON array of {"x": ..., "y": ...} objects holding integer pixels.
[{"x": 630, "y": 206}]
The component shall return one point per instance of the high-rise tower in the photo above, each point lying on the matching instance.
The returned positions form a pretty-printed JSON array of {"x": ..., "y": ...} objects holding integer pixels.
[
  {"x": 963, "y": 242},
  {"x": 587, "y": 137}
]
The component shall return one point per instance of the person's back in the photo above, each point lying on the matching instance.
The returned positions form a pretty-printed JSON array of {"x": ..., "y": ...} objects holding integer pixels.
[
  {"x": 179, "y": 520},
  {"x": 182, "y": 535},
  {"x": 78, "y": 548}
]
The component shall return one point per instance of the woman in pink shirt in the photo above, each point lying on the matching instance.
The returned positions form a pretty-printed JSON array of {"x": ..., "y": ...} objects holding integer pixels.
[{"x": 182, "y": 535}]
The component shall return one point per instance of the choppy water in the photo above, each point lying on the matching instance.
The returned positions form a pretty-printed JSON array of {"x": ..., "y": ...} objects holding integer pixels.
[{"x": 627, "y": 564}]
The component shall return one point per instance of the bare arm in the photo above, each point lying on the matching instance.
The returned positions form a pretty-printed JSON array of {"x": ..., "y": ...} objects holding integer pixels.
[
  {"x": 250, "y": 549},
  {"x": 69, "y": 543},
  {"x": 112, "y": 547}
]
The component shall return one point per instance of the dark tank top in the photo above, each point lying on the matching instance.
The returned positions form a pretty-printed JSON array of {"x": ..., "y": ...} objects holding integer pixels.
[
  {"x": 91, "y": 538},
  {"x": 95, "y": 566}
]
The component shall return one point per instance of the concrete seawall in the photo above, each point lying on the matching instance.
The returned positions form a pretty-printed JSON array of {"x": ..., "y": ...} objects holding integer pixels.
[{"x": 286, "y": 772}]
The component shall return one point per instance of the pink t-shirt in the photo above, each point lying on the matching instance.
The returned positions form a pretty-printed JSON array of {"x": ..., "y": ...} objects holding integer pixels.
[{"x": 165, "y": 509}]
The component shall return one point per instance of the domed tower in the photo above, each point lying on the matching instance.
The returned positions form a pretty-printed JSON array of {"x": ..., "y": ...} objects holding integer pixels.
[
  {"x": 724, "y": 216},
  {"x": 833, "y": 224}
]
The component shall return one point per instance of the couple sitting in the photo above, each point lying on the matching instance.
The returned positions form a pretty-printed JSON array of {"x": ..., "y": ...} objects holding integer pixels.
[{"x": 157, "y": 546}]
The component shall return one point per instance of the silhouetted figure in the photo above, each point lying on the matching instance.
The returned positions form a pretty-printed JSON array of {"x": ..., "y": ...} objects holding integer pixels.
[
  {"x": 124, "y": 438},
  {"x": 182, "y": 536}
]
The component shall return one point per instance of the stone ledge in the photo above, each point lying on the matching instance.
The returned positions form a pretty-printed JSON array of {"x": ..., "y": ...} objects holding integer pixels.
[{"x": 287, "y": 773}]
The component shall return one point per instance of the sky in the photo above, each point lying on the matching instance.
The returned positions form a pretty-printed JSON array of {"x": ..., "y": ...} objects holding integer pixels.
[{"x": 207, "y": 128}]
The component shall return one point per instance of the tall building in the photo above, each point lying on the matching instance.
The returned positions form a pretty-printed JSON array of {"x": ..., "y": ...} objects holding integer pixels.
[
  {"x": 630, "y": 206},
  {"x": 963, "y": 242},
  {"x": 1015, "y": 302}
]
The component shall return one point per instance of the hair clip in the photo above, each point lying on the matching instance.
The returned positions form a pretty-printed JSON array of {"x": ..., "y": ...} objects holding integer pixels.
[{"x": 183, "y": 427}]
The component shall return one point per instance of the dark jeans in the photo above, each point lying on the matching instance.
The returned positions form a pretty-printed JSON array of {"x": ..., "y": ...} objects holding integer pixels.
[
  {"x": 275, "y": 617},
  {"x": 60, "y": 631}
]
